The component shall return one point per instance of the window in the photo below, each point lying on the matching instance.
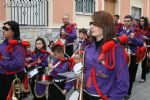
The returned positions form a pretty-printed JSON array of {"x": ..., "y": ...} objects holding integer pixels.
[
  {"x": 136, "y": 12},
  {"x": 85, "y": 6},
  {"x": 29, "y": 12}
]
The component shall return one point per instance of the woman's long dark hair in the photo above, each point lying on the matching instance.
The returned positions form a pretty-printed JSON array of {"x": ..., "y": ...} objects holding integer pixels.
[
  {"x": 43, "y": 42},
  {"x": 146, "y": 23},
  {"x": 15, "y": 28},
  {"x": 104, "y": 20}
]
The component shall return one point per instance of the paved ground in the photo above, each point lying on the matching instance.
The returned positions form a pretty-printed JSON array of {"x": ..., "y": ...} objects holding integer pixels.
[{"x": 141, "y": 91}]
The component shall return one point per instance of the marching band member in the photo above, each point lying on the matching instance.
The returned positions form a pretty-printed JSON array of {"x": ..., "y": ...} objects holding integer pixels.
[
  {"x": 106, "y": 74},
  {"x": 118, "y": 25},
  {"x": 62, "y": 65},
  {"x": 135, "y": 23},
  {"x": 11, "y": 62},
  {"x": 38, "y": 59},
  {"x": 68, "y": 32},
  {"x": 26, "y": 89},
  {"x": 143, "y": 26},
  {"x": 83, "y": 40},
  {"x": 135, "y": 41},
  {"x": 76, "y": 69}
]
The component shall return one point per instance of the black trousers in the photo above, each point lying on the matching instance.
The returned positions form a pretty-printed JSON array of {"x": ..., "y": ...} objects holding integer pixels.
[
  {"x": 54, "y": 93},
  {"x": 132, "y": 72},
  {"x": 32, "y": 84},
  {"x": 89, "y": 97},
  {"x": 148, "y": 62},
  {"x": 144, "y": 68},
  {"x": 69, "y": 50},
  {"x": 6, "y": 82}
]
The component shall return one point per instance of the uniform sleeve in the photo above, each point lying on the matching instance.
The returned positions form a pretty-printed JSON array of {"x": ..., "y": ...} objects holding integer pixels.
[
  {"x": 69, "y": 85},
  {"x": 17, "y": 62},
  {"x": 44, "y": 62},
  {"x": 137, "y": 40},
  {"x": 120, "y": 89},
  {"x": 64, "y": 68},
  {"x": 120, "y": 32},
  {"x": 72, "y": 35}
]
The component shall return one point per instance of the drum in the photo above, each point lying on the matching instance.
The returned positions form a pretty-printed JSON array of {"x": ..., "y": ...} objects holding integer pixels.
[
  {"x": 74, "y": 95},
  {"x": 77, "y": 68},
  {"x": 45, "y": 79}
]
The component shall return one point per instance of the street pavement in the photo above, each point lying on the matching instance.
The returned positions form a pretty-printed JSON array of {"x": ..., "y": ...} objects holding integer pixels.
[{"x": 141, "y": 91}]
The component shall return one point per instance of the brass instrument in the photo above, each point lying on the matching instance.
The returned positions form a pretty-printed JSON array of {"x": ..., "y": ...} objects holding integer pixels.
[{"x": 16, "y": 89}]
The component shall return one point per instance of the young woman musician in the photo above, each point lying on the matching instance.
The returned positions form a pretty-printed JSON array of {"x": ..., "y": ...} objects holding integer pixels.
[
  {"x": 144, "y": 27},
  {"x": 106, "y": 67},
  {"x": 39, "y": 59}
]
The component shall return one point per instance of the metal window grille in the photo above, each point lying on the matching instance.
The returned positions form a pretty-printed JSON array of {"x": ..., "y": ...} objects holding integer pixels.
[
  {"x": 29, "y": 12},
  {"x": 85, "y": 6}
]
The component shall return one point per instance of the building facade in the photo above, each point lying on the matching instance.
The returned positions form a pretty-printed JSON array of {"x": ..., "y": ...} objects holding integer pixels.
[
  {"x": 48, "y": 13},
  {"x": 40, "y": 17}
]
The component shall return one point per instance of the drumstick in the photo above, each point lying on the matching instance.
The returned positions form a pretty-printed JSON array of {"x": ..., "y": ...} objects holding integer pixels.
[
  {"x": 57, "y": 86},
  {"x": 55, "y": 66},
  {"x": 71, "y": 80},
  {"x": 67, "y": 55}
]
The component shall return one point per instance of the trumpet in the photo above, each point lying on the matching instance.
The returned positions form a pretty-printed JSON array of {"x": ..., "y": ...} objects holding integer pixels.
[{"x": 16, "y": 89}]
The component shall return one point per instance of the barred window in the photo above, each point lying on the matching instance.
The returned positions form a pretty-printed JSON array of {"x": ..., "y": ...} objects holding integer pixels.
[
  {"x": 29, "y": 12},
  {"x": 85, "y": 6},
  {"x": 136, "y": 12}
]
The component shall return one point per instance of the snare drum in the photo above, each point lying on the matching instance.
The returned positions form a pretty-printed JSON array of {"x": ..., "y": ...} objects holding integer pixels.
[
  {"x": 77, "y": 68},
  {"x": 44, "y": 79},
  {"x": 74, "y": 95}
]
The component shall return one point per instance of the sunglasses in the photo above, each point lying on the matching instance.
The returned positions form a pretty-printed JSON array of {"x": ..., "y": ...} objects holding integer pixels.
[
  {"x": 92, "y": 23},
  {"x": 6, "y": 28},
  {"x": 65, "y": 19}
]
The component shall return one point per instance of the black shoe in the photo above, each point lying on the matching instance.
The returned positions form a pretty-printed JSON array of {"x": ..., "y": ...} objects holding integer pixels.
[{"x": 127, "y": 97}]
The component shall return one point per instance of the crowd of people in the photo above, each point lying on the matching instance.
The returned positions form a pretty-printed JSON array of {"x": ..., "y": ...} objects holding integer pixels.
[{"x": 103, "y": 64}]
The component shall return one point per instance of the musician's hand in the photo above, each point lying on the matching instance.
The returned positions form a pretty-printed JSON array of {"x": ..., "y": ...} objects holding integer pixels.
[
  {"x": 64, "y": 92},
  {"x": 52, "y": 54},
  {"x": 124, "y": 35},
  {"x": 63, "y": 33},
  {"x": 145, "y": 37},
  {"x": 132, "y": 35},
  {"x": 28, "y": 65},
  {"x": 28, "y": 59},
  {"x": 39, "y": 61},
  {"x": 148, "y": 55},
  {"x": 50, "y": 66}
]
